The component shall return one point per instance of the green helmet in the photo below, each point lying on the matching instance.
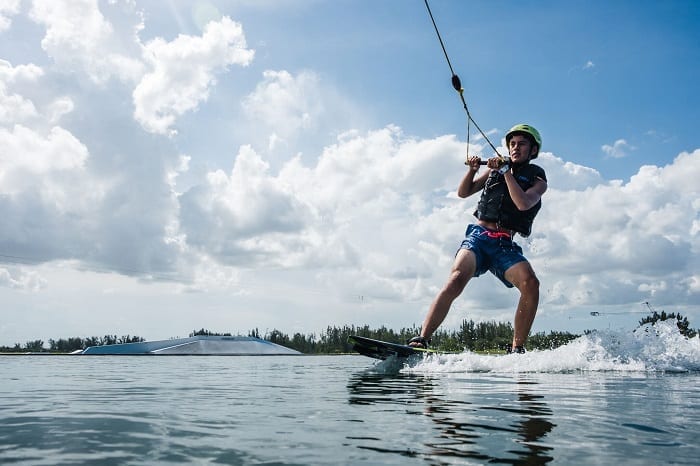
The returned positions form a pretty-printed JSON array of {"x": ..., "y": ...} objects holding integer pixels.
[{"x": 528, "y": 131}]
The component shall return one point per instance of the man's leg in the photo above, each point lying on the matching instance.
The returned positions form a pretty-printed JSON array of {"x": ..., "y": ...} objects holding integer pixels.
[
  {"x": 463, "y": 270},
  {"x": 523, "y": 277}
]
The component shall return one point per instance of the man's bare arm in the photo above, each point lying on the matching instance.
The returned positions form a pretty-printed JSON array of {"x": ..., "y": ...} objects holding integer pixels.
[
  {"x": 471, "y": 184},
  {"x": 525, "y": 200}
]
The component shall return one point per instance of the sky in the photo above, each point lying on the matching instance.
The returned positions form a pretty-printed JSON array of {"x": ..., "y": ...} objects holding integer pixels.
[{"x": 167, "y": 166}]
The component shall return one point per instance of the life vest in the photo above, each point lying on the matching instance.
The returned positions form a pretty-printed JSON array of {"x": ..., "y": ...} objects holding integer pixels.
[{"x": 496, "y": 205}]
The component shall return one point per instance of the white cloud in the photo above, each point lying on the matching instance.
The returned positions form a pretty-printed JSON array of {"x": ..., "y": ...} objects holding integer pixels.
[
  {"x": 286, "y": 104},
  {"x": 8, "y": 8},
  {"x": 170, "y": 77},
  {"x": 619, "y": 149},
  {"x": 10, "y": 74},
  {"x": 365, "y": 220},
  {"x": 244, "y": 217},
  {"x": 372, "y": 199},
  {"x": 79, "y": 36},
  {"x": 16, "y": 107},
  {"x": 48, "y": 172},
  {"x": 19, "y": 279},
  {"x": 13, "y": 106},
  {"x": 567, "y": 175},
  {"x": 107, "y": 199},
  {"x": 25, "y": 150},
  {"x": 182, "y": 71},
  {"x": 631, "y": 236},
  {"x": 59, "y": 107},
  {"x": 286, "y": 111},
  {"x": 48, "y": 200}
]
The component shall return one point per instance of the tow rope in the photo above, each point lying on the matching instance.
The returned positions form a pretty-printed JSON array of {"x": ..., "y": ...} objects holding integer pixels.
[{"x": 457, "y": 84}]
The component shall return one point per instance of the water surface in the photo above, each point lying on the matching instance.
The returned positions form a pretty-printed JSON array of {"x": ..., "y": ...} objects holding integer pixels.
[{"x": 604, "y": 400}]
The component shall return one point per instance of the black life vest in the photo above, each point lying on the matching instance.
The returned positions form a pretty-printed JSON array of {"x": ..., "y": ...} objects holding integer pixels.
[{"x": 496, "y": 205}]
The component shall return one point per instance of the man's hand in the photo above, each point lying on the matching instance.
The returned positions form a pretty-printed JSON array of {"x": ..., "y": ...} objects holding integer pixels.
[
  {"x": 502, "y": 164},
  {"x": 474, "y": 162}
]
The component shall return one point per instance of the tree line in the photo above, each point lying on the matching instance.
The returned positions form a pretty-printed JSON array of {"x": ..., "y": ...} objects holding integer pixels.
[
  {"x": 473, "y": 336},
  {"x": 481, "y": 336},
  {"x": 68, "y": 345}
]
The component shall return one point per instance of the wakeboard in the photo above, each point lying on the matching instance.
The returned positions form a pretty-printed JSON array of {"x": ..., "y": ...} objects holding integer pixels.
[{"x": 378, "y": 349}]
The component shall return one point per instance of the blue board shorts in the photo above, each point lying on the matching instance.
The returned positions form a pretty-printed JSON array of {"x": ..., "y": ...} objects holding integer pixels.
[{"x": 495, "y": 251}]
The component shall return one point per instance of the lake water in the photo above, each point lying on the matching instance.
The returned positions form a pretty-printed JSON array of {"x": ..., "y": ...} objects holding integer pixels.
[{"x": 611, "y": 398}]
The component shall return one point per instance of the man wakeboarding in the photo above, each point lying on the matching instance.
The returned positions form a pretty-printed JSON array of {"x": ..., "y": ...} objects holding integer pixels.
[{"x": 511, "y": 190}]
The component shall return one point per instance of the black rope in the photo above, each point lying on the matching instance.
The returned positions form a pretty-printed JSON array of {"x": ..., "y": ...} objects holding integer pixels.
[{"x": 457, "y": 84}]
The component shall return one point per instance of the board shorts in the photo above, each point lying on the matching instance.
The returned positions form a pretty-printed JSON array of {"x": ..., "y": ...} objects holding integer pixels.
[{"x": 495, "y": 252}]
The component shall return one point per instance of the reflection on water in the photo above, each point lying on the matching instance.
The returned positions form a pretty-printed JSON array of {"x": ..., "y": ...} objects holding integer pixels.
[
  {"x": 508, "y": 426},
  {"x": 532, "y": 424},
  {"x": 329, "y": 410}
]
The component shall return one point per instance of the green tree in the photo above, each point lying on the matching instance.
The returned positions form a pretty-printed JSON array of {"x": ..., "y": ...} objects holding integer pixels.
[
  {"x": 204, "y": 332},
  {"x": 35, "y": 346},
  {"x": 69, "y": 345},
  {"x": 551, "y": 341},
  {"x": 681, "y": 322}
]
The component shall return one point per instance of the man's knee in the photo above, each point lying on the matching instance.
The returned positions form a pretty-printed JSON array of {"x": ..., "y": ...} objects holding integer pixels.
[
  {"x": 531, "y": 283},
  {"x": 526, "y": 280}
]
